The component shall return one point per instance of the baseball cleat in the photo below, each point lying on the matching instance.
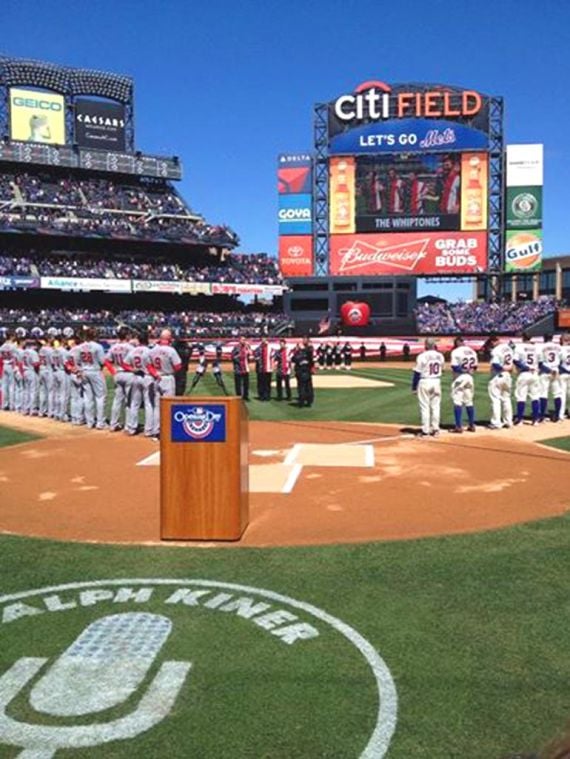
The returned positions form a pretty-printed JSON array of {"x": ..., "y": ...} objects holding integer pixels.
[
  {"x": 457, "y": 430},
  {"x": 435, "y": 433},
  {"x": 471, "y": 428},
  {"x": 494, "y": 427}
]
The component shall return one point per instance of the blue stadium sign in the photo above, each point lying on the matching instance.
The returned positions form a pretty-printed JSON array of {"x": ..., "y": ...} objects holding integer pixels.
[{"x": 193, "y": 423}]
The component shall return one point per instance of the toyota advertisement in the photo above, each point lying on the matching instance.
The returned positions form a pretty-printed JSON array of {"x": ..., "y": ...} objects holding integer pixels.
[
  {"x": 100, "y": 124},
  {"x": 407, "y": 253},
  {"x": 296, "y": 255}
]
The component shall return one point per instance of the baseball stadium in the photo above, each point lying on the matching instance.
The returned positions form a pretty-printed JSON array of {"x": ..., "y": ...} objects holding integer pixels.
[{"x": 279, "y": 504}]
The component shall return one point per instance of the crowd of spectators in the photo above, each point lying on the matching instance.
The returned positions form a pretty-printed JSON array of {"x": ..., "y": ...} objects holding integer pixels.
[
  {"x": 481, "y": 318},
  {"x": 102, "y": 207},
  {"x": 242, "y": 268},
  {"x": 183, "y": 323}
]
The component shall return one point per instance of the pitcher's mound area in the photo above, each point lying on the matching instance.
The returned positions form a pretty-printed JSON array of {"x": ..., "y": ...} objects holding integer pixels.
[{"x": 311, "y": 483}]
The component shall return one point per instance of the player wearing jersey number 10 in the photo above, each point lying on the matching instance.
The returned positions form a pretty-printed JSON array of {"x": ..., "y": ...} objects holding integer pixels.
[{"x": 427, "y": 383}]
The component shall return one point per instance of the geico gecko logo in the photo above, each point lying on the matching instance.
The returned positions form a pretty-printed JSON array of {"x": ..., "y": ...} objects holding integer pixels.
[{"x": 89, "y": 663}]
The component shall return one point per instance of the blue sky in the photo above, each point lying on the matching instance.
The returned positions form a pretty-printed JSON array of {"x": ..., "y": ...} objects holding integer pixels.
[{"x": 227, "y": 86}]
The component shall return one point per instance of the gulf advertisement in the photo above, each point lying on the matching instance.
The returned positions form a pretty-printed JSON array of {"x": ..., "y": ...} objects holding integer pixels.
[
  {"x": 523, "y": 205},
  {"x": 294, "y": 173},
  {"x": 296, "y": 255},
  {"x": 100, "y": 124},
  {"x": 419, "y": 253},
  {"x": 37, "y": 116}
]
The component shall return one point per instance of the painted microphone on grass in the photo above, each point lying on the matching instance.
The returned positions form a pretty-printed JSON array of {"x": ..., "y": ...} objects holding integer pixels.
[{"x": 101, "y": 669}]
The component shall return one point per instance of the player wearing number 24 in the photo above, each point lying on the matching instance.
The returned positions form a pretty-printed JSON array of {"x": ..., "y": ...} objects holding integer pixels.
[{"x": 427, "y": 383}]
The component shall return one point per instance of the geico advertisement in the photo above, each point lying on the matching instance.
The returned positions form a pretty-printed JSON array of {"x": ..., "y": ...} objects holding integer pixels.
[
  {"x": 295, "y": 214},
  {"x": 37, "y": 116},
  {"x": 407, "y": 253}
]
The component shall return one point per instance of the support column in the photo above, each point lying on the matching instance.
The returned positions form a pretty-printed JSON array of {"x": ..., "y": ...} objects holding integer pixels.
[
  {"x": 514, "y": 288},
  {"x": 535, "y": 285}
]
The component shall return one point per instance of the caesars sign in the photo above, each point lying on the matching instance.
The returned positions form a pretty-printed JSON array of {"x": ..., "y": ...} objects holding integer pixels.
[
  {"x": 100, "y": 124},
  {"x": 37, "y": 116}
]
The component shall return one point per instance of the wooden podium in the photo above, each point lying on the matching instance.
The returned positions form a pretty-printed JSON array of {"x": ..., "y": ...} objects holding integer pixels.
[{"x": 203, "y": 468}]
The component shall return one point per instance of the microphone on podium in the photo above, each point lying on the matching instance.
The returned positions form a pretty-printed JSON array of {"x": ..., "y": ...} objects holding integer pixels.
[{"x": 103, "y": 667}]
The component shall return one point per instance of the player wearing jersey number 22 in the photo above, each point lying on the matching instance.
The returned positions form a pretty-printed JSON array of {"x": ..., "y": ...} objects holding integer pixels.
[{"x": 426, "y": 383}]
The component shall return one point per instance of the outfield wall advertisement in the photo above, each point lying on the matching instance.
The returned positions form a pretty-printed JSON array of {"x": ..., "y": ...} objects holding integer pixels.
[
  {"x": 523, "y": 205},
  {"x": 100, "y": 124},
  {"x": 37, "y": 116},
  {"x": 295, "y": 213},
  {"x": 406, "y": 253}
]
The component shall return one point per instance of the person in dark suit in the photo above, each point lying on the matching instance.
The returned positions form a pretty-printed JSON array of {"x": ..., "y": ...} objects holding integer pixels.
[
  {"x": 241, "y": 356},
  {"x": 304, "y": 366},
  {"x": 263, "y": 368},
  {"x": 382, "y": 351},
  {"x": 362, "y": 352},
  {"x": 347, "y": 356},
  {"x": 282, "y": 361},
  {"x": 184, "y": 350}
]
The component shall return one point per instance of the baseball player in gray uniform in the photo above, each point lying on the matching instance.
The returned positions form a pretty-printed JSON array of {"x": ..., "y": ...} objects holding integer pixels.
[
  {"x": 46, "y": 377},
  {"x": 91, "y": 362},
  {"x": 61, "y": 382},
  {"x": 8, "y": 360},
  {"x": 138, "y": 363},
  {"x": 18, "y": 375},
  {"x": 115, "y": 363},
  {"x": 30, "y": 365},
  {"x": 76, "y": 398},
  {"x": 166, "y": 362}
]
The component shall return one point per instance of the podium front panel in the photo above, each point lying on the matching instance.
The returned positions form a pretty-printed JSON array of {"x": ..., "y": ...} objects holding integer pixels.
[{"x": 203, "y": 468}]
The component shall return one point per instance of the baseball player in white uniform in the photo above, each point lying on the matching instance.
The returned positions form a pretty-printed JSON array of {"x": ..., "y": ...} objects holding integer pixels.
[
  {"x": 463, "y": 363},
  {"x": 500, "y": 384},
  {"x": 427, "y": 383},
  {"x": 61, "y": 382},
  {"x": 166, "y": 362},
  {"x": 91, "y": 362},
  {"x": 565, "y": 375},
  {"x": 549, "y": 376},
  {"x": 30, "y": 365},
  {"x": 138, "y": 363},
  {"x": 8, "y": 359},
  {"x": 115, "y": 363},
  {"x": 527, "y": 384},
  {"x": 18, "y": 391}
]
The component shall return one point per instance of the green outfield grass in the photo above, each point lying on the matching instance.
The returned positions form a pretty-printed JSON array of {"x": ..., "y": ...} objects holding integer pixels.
[
  {"x": 562, "y": 443},
  {"x": 474, "y": 630},
  {"x": 9, "y": 436}
]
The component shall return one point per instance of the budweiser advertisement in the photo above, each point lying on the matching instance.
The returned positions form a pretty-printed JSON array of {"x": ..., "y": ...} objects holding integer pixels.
[
  {"x": 296, "y": 255},
  {"x": 408, "y": 253}
]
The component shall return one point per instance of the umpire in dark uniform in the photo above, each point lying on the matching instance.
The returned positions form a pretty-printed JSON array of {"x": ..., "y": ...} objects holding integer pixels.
[
  {"x": 184, "y": 350},
  {"x": 304, "y": 363}
]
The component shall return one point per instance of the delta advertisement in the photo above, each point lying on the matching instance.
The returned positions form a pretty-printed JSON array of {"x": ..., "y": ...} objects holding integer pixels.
[
  {"x": 100, "y": 124},
  {"x": 296, "y": 255},
  {"x": 294, "y": 173},
  {"x": 420, "y": 253},
  {"x": 524, "y": 180},
  {"x": 378, "y": 117},
  {"x": 37, "y": 116},
  {"x": 408, "y": 192}
]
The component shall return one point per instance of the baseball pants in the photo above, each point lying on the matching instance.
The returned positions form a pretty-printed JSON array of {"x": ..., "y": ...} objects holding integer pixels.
[
  {"x": 123, "y": 382},
  {"x": 527, "y": 386},
  {"x": 94, "y": 394},
  {"x": 501, "y": 402},
  {"x": 8, "y": 399},
  {"x": 140, "y": 394},
  {"x": 18, "y": 390},
  {"x": 30, "y": 392},
  {"x": 550, "y": 383},
  {"x": 76, "y": 400},
  {"x": 462, "y": 390},
  {"x": 565, "y": 396},
  {"x": 165, "y": 387},
  {"x": 429, "y": 399},
  {"x": 46, "y": 393},
  {"x": 60, "y": 394}
]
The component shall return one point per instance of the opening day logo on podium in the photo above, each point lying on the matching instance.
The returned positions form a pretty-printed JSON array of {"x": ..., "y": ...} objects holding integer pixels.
[{"x": 198, "y": 424}]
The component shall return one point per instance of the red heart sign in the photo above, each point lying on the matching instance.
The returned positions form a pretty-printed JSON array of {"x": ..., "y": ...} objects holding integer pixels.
[{"x": 355, "y": 314}]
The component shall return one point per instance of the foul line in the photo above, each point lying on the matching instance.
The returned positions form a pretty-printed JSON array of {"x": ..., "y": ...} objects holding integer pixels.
[{"x": 292, "y": 478}]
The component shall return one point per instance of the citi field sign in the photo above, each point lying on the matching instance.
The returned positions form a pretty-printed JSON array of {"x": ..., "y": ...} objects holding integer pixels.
[{"x": 377, "y": 117}]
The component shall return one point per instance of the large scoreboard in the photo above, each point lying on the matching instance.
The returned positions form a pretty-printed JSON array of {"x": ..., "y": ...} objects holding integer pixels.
[{"x": 402, "y": 183}]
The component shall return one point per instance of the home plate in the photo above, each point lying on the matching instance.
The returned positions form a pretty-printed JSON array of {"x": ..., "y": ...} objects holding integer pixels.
[
  {"x": 273, "y": 478},
  {"x": 337, "y": 455}
]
